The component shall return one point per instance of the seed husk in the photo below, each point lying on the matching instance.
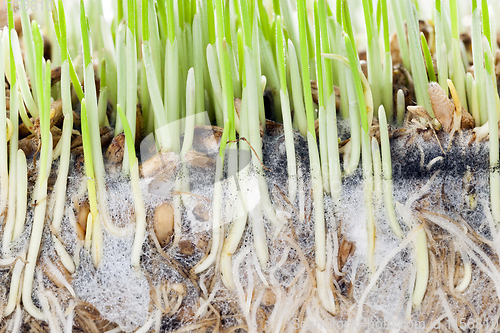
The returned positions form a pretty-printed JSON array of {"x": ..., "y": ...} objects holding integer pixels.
[{"x": 163, "y": 222}]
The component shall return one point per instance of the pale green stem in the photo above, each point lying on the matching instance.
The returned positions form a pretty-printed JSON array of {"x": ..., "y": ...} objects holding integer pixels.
[
  {"x": 368, "y": 199},
  {"x": 162, "y": 137},
  {"x": 29, "y": 52},
  {"x": 198, "y": 64},
  {"x": 22, "y": 194},
  {"x": 479, "y": 71},
  {"x": 4, "y": 168},
  {"x": 172, "y": 92},
  {"x": 387, "y": 174},
  {"x": 15, "y": 282},
  {"x": 401, "y": 33},
  {"x": 131, "y": 99},
  {"x": 23, "y": 80},
  {"x": 494, "y": 147},
  {"x": 290, "y": 146},
  {"x": 458, "y": 72},
  {"x": 417, "y": 59},
  {"x": 354, "y": 121},
  {"x": 388, "y": 96},
  {"x": 140, "y": 215},
  {"x": 323, "y": 147},
  {"x": 217, "y": 226},
  {"x": 121, "y": 77},
  {"x": 441, "y": 52},
  {"x": 377, "y": 169},
  {"x": 299, "y": 119},
  {"x": 319, "y": 217},
  {"x": 333, "y": 149},
  {"x": 11, "y": 212},
  {"x": 472, "y": 96},
  {"x": 401, "y": 106}
]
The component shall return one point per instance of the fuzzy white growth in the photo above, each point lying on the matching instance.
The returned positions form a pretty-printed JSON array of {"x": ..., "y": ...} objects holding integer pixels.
[{"x": 373, "y": 280}]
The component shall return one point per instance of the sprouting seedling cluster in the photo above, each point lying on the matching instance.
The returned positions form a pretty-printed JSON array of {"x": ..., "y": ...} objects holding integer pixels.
[{"x": 162, "y": 64}]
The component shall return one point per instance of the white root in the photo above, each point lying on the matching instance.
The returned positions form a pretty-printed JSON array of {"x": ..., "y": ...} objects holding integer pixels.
[
  {"x": 14, "y": 286},
  {"x": 236, "y": 232},
  {"x": 217, "y": 228},
  {"x": 47, "y": 313},
  {"x": 59, "y": 277},
  {"x": 319, "y": 211},
  {"x": 17, "y": 320},
  {"x": 451, "y": 319},
  {"x": 466, "y": 279},
  {"x": 368, "y": 199},
  {"x": 140, "y": 215},
  {"x": 70, "y": 312},
  {"x": 373, "y": 280},
  {"x": 36, "y": 238},
  {"x": 421, "y": 257},
  {"x": 470, "y": 247}
]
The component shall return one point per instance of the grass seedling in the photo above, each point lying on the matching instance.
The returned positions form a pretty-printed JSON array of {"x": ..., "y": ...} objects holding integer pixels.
[
  {"x": 42, "y": 76},
  {"x": 131, "y": 63},
  {"x": 387, "y": 174},
  {"x": 319, "y": 233},
  {"x": 491, "y": 102},
  {"x": 398, "y": 15},
  {"x": 387, "y": 94},
  {"x": 65, "y": 141},
  {"x": 477, "y": 56},
  {"x": 458, "y": 69},
  {"x": 373, "y": 55},
  {"x": 4, "y": 168},
  {"x": 417, "y": 61},
  {"x": 94, "y": 135},
  {"x": 140, "y": 210},
  {"x": 472, "y": 97},
  {"x": 10, "y": 74},
  {"x": 287, "y": 117},
  {"x": 428, "y": 58},
  {"x": 441, "y": 47},
  {"x": 321, "y": 103}
]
